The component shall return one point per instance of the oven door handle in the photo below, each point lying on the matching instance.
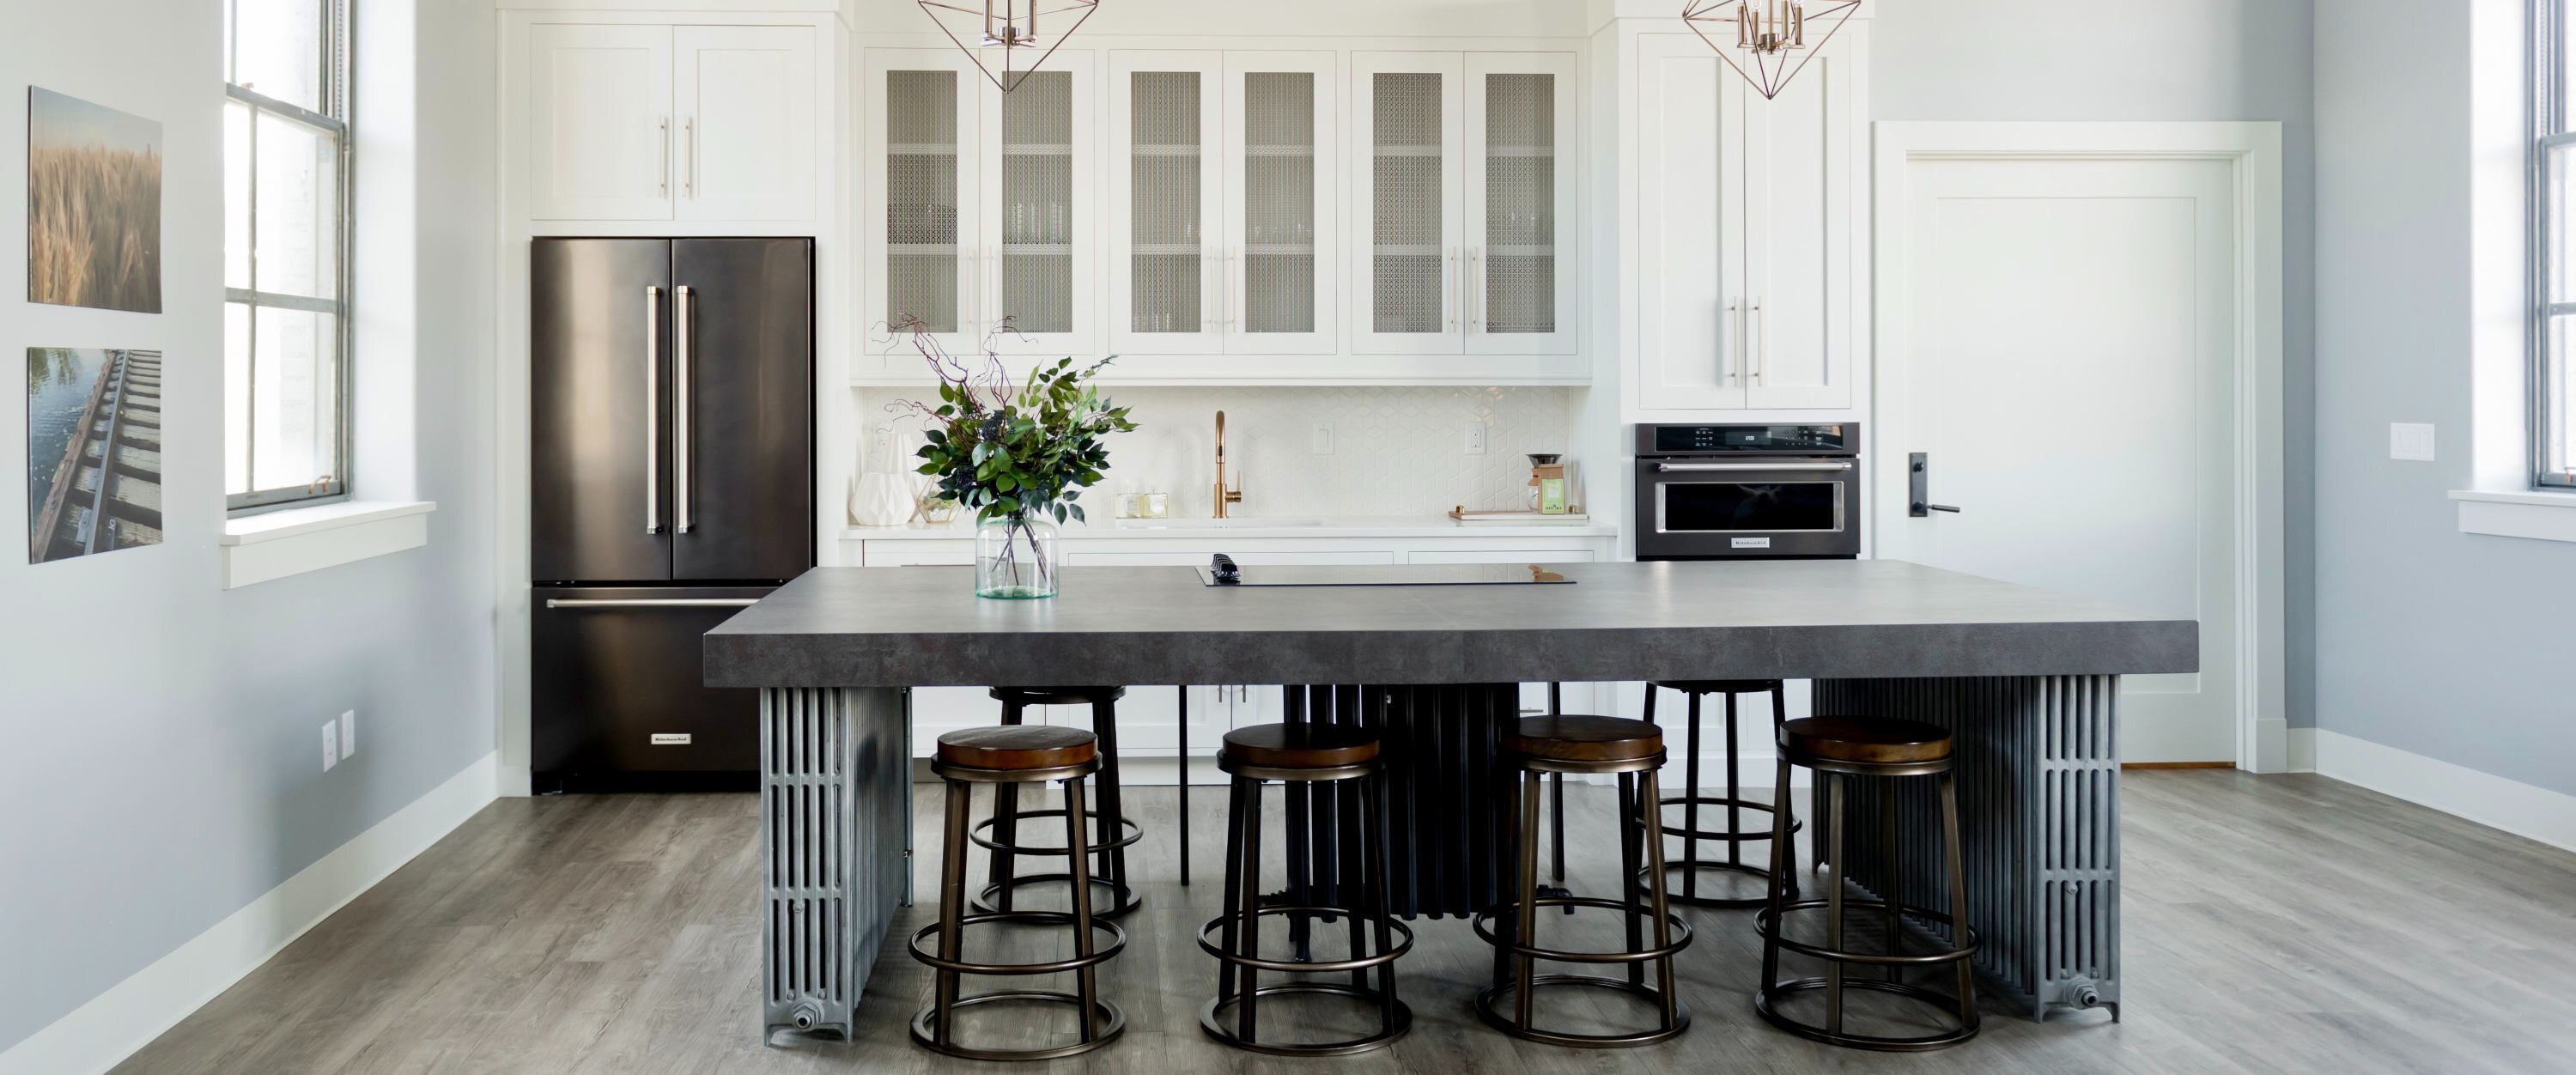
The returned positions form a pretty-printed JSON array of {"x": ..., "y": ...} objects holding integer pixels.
[{"x": 1833, "y": 465}]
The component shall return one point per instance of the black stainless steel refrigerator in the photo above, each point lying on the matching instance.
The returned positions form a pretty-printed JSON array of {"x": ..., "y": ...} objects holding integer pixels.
[{"x": 672, "y": 442}]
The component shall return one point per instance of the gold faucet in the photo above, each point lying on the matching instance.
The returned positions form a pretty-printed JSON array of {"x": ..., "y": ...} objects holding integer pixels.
[{"x": 1224, "y": 496}]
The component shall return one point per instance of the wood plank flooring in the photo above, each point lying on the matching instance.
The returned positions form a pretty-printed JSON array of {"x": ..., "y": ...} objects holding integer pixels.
[{"x": 2272, "y": 924}]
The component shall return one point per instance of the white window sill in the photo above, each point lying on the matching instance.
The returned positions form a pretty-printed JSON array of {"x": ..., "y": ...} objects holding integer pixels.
[
  {"x": 262, "y": 548},
  {"x": 2539, "y": 516}
]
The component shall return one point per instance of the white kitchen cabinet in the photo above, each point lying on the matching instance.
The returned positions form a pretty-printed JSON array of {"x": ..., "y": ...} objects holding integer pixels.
[
  {"x": 1750, "y": 282},
  {"x": 652, "y": 122},
  {"x": 599, "y": 122},
  {"x": 1039, "y": 287},
  {"x": 1221, "y": 199},
  {"x": 920, "y": 121},
  {"x": 1463, "y": 203},
  {"x": 745, "y": 98}
]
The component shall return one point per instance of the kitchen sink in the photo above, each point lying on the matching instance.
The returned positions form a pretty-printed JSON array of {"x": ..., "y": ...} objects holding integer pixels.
[{"x": 1213, "y": 524}]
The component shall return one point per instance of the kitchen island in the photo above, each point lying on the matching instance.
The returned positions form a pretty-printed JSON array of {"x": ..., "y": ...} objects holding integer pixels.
[{"x": 2026, "y": 679}]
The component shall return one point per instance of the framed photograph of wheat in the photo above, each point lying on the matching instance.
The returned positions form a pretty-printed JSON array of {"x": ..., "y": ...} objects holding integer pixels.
[{"x": 93, "y": 205}]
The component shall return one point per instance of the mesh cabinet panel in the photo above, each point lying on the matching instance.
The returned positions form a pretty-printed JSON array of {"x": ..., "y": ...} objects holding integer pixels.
[
  {"x": 1520, "y": 203},
  {"x": 1037, "y": 203},
  {"x": 921, "y": 198},
  {"x": 1405, "y": 197},
  {"x": 1279, "y": 201},
  {"x": 1165, "y": 159}
]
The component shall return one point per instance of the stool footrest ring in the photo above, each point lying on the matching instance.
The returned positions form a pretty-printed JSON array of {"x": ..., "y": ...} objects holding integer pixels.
[
  {"x": 1117, "y": 943},
  {"x": 1765, "y": 927},
  {"x": 1484, "y": 924},
  {"x": 1730, "y": 903},
  {"x": 1488, "y": 1007},
  {"x": 1217, "y": 1028},
  {"x": 1112, "y": 1023},
  {"x": 1128, "y": 834},
  {"x": 1291, "y": 966},
  {"x": 1720, "y": 802},
  {"x": 983, "y": 903},
  {"x": 1763, "y": 998}
]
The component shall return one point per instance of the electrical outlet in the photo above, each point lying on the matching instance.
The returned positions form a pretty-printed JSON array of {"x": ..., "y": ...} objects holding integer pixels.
[
  {"x": 348, "y": 733},
  {"x": 1475, "y": 438},
  {"x": 2411, "y": 441},
  {"x": 330, "y": 744},
  {"x": 1324, "y": 438}
]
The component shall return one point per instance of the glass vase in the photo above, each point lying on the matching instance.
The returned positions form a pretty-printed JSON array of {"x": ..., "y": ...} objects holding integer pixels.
[{"x": 1015, "y": 556}]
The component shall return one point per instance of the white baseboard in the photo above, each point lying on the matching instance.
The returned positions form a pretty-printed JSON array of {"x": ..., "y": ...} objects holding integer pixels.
[
  {"x": 2302, "y": 743},
  {"x": 113, "y": 1025},
  {"x": 2515, "y": 807}
]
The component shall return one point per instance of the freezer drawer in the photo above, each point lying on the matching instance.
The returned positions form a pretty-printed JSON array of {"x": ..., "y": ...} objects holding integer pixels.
[{"x": 617, "y": 700}]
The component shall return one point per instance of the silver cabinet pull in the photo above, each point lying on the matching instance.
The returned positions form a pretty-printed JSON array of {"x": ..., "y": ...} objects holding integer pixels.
[
  {"x": 689, "y": 153},
  {"x": 681, "y": 377},
  {"x": 652, "y": 602},
  {"x": 665, "y": 177},
  {"x": 1725, "y": 369},
  {"x": 1829, "y": 466},
  {"x": 1761, "y": 339},
  {"x": 1476, "y": 271},
  {"x": 1457, "y": 291},
  {"x": 652, "y": 408}
]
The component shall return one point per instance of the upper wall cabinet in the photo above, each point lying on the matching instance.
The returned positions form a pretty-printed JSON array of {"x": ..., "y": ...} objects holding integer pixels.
[
  {"x": 641, "y": 122},
  {"x": 1221, "y": 200},
  {"x": 1749, "y": 280},
  {"x": 1463, "y": 203},
  {"x": 980, "y": 203}
]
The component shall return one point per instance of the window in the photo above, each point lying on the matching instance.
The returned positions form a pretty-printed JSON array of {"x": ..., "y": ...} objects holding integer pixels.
[
  {"x": 286, "y": 250},
  {"x": 2553, "y": 248}
]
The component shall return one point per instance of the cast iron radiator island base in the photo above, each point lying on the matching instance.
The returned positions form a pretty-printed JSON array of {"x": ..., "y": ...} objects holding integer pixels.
[{"x": 2027, "y": 679}]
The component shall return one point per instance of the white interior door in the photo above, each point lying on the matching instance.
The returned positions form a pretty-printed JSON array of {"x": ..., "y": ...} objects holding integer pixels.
[
  {"x": 1691, "y": 319},
  {"x": 1164, "y": 137},
  {"x": 1281, "y": 185},
  {"x": 919, "y": 190},
  {"x": 745, "y": 98},
  {"x": 1405, "y": 149},
  {"x": 1799, "y": 211},
  {"x": 2064, "y": 338},
  {"x": 600, "y": 128},
  {"x": 1041, "y": 208}
]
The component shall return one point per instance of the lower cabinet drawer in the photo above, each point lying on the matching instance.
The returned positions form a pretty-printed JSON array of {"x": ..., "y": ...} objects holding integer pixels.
[
  {"x": 1500, "y": 556},
  {"x": 1178, "y": 558}
]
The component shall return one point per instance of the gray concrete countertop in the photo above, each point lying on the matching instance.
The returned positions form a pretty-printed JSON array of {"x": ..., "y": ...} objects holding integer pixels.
[
  {"x": 1254, "y": 527},
  {"x": 924, "y": 626}
]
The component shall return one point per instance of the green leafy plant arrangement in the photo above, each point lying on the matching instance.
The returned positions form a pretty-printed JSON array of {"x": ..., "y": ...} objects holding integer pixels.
[{"x": 1010, "y": 449}]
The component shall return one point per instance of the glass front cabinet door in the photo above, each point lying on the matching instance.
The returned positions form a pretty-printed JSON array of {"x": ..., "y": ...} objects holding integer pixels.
[
  {"x": 1465, "y": 206},
  {"x": 1220, "y": 202},
  {"x": 1039, "y": 250},
  {"x": 919, "y": 222}
]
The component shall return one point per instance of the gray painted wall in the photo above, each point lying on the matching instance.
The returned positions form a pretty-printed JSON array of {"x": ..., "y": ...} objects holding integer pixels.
[
  {"x": 160, "y": 766},
  {"x": 2170, "y": 60},
  {"x": 2449, "y": 645}
]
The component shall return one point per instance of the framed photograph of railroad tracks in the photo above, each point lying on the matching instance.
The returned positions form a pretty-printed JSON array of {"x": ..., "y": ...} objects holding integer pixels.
[
  {"x": 93, "y": 451},
  {"x": 93, "y": 205}
]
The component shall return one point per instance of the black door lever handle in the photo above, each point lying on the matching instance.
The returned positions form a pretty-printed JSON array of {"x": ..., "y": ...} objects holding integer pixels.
[
  {"x": 1918, "y": 467},
  {"x": 1921, "y": 507}
]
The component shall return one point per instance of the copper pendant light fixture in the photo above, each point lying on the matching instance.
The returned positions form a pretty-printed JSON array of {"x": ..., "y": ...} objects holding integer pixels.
[
  {"x": 1771, "y": 34},
  {"x": 1013, "y": 28}
]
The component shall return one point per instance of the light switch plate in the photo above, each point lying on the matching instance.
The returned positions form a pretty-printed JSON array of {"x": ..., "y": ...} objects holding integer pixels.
[
  {"x": 2411, "y": 441},
  {"x": 1323, "y": 438},
  {"x": 349, "y": 733},
  {"x": 330, "y": 744},
  {"x": 1475, "y": 438}
]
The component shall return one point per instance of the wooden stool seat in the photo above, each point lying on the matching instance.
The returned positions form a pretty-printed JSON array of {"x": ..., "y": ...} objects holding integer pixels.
[
  {"x": 1866, "y": 740},
  {"x": 1299, "y": 746},
  {"x": 1717, "y": 686},
  {"x": 1058, "y": 695},
  {"x": 1018, "y": 747},
  {"x": 1576, "y": 738}
]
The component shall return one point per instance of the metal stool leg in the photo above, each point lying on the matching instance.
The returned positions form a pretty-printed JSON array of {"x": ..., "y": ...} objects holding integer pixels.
[
  {"x": 1650, "y": 796},
  {"x": 1893, "y": 881},
  {"x": 1184, "y": 692},
  {"x": 1690, "y": 808},
  {"x": 1112, "y": 820},
  {"x": 1556, "y": 788},
  {"x": 1780, "y": 799},
  {"x": 1374, "y": 880},
  {"x": 1526, "y": 911},
  {"x": 1959, "y": 900},
  {"x": 1780, "y": 870},
  {"x": 1631, "y": 836},
  {"x": 1078, "y": 869},
  {"x": 952, "y": 909},
  {"x": 1234, "y": 845},
  {"x": 1006, "y": 827},
  {"x": 1250, "y": 901},
  {"x": 1834, "y": 803}
]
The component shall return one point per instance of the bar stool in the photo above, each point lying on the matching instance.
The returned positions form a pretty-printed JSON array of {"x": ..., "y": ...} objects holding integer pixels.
[
  {"x": 1006, "y": 758},
  {"x": 1634, "y": 750},
  {"x": 1733, "y": 802},
  {"x": 1113, "y": 831},
  {"x": 1302, "y": 754},
  {"x": 1841, "y": 749}
]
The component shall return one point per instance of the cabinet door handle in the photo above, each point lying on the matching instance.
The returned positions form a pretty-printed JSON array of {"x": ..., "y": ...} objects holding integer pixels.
[
  {"x": 1727, "y": 364},
  {"x": 681, "y": 329},
  {"x": 1761, "y": 340},
  {"x": 1457, "y": 290},
  {"x": 652, "y": 409},
  {"x": 689, "y": 135},
  {"x": 663, "y": 177},
  {"x": 1476, "y": 272}
]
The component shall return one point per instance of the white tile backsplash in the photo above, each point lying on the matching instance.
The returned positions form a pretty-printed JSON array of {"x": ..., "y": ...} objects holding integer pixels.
[{"x": 1396, "y": 450}]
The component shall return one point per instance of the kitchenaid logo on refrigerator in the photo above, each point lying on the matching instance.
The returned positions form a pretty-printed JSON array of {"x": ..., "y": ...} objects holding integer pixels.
[
  {"x": 1751, "y": 543},
  {"x": 670, "y": 739}
]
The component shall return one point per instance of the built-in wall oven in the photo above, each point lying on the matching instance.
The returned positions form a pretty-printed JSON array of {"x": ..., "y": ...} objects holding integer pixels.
[{"x": 1736, "y": 492}]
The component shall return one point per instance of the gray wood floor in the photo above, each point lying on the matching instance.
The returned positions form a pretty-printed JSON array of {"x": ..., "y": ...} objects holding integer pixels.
[{"x": 2272, "y": 924}]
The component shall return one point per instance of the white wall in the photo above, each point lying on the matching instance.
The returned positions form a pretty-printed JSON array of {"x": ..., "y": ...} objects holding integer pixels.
[
  {"x": 161, "y": 765},
  {"x": 2443, "y": 644},
  {"x": 2168, "y": 60}
]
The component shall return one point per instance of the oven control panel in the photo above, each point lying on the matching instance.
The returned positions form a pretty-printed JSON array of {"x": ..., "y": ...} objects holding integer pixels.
[{"x": 1820, "y": 440}]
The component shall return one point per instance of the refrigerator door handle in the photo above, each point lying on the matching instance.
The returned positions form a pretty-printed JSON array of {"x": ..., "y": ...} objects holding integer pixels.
[
  {"x": 652, "y": 408},
  {"x": 652, "y": 602},
  {"x": 680, "y": 381}
]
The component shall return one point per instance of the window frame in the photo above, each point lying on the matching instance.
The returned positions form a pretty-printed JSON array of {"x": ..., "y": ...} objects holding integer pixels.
[
  {"x": 2553, "y": 428},
  {"x": 337, "y": 84}
]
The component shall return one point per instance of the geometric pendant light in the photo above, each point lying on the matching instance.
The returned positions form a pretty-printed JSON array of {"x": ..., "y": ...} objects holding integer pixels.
[
  {"x": 1771, "y": 35},
  {"x": 1010, "y": 28}
]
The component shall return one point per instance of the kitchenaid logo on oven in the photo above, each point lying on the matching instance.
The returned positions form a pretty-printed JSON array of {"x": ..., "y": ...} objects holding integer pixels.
[{"x": 1751, "y": 543}]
